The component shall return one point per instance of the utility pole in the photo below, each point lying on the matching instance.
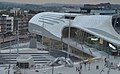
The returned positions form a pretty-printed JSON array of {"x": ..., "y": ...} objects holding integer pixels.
[{"x": 18, "y": 41}]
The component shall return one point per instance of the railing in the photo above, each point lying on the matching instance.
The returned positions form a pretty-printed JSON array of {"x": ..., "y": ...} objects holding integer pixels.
[{"x": 98, "y": 47}]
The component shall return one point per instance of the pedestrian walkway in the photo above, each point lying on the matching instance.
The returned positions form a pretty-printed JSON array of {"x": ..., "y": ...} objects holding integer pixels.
[
  {"x": 38, "y": 55},
  {"x": 82, "y": 47}
]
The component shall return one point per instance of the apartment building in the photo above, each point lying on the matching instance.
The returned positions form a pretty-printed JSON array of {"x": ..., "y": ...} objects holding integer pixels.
[
  {"x": 22, "y": 23},
  {"x": 6, "y": 24}
]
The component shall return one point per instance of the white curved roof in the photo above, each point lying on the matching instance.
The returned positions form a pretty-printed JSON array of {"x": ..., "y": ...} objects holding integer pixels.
[
  {"x": 99, "y": 25},
  {"x": 53, "y": 22}
]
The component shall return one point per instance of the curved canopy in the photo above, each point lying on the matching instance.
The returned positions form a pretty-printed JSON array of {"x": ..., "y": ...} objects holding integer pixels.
[{"x": 51, "y": 24}]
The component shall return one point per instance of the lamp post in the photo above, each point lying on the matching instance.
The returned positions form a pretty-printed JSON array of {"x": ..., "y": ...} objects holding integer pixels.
[
  {"x": 69, "y": 38},
  {"x": 9, "y": 57},
  {"x": 50, "y": 48},
  {"x": 42, "y": 33}
]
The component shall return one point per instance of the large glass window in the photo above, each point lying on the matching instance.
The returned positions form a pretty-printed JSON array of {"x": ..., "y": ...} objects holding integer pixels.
[{"x": 116, "y": 24}]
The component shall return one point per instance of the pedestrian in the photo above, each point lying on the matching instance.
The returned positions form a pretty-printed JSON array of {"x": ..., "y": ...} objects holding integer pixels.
[
  {"x": 89, "y": 66},
  {"x": 80, "y": 66},
  {"x": 79, "y": 72},
  {"x": 85, "y": 65},
  {"x": 105, "y": 60}
]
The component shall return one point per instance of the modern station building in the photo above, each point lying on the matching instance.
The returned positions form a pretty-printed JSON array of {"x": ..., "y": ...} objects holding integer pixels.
[{"x": 95, "y": 32}]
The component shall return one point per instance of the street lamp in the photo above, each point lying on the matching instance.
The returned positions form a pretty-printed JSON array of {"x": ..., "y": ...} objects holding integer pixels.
[
  {"x": 17, "y": 39},
  {"x": 9, "y": 56},
  {"x": 42, "y": 32},
  {"x": 68, "y": 55},
  {"x": 3, "y": 36}
]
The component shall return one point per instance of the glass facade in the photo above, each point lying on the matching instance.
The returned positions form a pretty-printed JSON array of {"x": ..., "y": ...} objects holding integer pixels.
[
  {"x": 116, "y": 24},
  {"x": 82, "y": 37}
]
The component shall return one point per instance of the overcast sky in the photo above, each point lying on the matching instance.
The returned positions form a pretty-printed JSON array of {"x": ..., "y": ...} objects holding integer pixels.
[{"x": 63, "y": 1}]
